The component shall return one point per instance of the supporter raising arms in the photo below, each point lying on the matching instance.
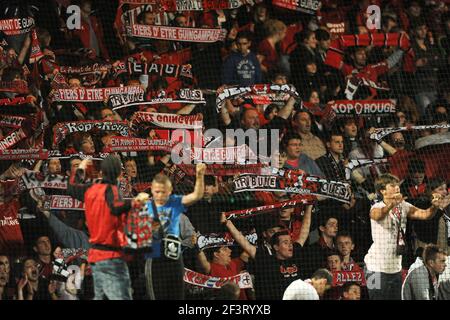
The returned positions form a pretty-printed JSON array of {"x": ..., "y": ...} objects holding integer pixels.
[
  {"x": 274, "y": 273},
  {"x": 360, "y": 72},
  {"x": 217, "y": 262}
]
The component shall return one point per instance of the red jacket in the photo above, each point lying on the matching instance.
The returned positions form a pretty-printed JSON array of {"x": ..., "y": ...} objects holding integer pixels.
[
  {"x": 104, "y": 218},
  {"x": 270, "y": 54},
  {"x": 104, "y": 227}
]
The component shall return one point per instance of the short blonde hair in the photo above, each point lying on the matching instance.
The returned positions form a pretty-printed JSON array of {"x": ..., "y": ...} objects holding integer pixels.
[
  {"x": 162, "y": 179},
  {"x": 273, "y": 26}
]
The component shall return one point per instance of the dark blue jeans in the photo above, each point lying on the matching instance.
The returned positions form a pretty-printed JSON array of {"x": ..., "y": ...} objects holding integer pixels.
[
  {"x": 384, "y": 286},
  {"x": 111, "y": 280}
]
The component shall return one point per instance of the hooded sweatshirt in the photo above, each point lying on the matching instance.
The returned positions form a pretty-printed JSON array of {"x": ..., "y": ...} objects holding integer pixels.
[{"x": 104, "y": 210}]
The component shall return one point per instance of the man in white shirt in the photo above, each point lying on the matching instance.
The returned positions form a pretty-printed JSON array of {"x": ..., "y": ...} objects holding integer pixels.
[
  {"x": 388, "y": 222},
  {"x": 310, "y": 289}
]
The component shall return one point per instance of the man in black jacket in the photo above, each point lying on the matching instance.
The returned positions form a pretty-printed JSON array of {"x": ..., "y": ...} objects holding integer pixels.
[{"x": 332, "y": 163}]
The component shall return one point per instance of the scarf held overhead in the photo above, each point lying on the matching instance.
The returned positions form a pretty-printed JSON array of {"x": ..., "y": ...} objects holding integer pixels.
[
  {"x": 167, "y": 120},
  {"x": 202, "y": 35},
  {"x": 259, "y": 89},
  {"x": 199, "y": 5},
  {"x": 190, "y": 96},
  {"x": 31, "y": 180},
  {"x": 188, "y": 5},
  {"x": 60, "y": 202},
  {"x": 13, "y": 27},
  {"x": 63, "y": 129},
  {"x": 229, "y": 155},
  {"x": 12, "y": 139},
  {"x": 354, "y": 164},
  {"x": 91, "y": 95},
  {"x": 120, "y": 67},
  {"x": 163, "y": 70},
  {"x": 309, "y": 6},
  {"x": 221, "y": 170},
  {"x": 11, "y": 121},
  {"x": 363, "y": 107},
  {"x": 294, "y": 181},
  {"x": 214, "y": 240},
  {"x": 335, "y": 54},
  {"x": 251, "y": 212},
  {"x": 56, "y": 154},
  {"x": 16, "y": 101},
  {"x": 127, "y": 144},
  {"x": 23, "y": 154},
  {"x": 380, "y": 133},
  {"x": 16, "y": 86},
  {"x": 243, "y": 280}
]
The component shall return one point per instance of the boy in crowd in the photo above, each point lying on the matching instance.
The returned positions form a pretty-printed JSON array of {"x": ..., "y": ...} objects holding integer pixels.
[
  {"x": 315, "y": 254},
  {"x": 242, "y": 67},
  {"x": 345, "y": 246},
  {"x": 351, "y": 291},
  {"x": 165, "y": 264}
]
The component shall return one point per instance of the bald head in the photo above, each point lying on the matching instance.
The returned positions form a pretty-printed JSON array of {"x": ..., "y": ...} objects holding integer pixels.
[{"x": 302, "y": 122}]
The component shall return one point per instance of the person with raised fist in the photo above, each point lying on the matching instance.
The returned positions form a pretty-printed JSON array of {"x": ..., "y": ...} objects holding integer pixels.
[{"x": 165, "y": 265}]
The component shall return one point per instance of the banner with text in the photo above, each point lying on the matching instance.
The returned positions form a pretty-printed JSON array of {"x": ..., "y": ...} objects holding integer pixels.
[
  {"x": 91, "y": 95},
  {"x": 63, "y": 129},
  {"x": 294, "y": 181},
  {"x": 214, "y": 240},
  {"x": 203, "y": 35},
  {"x": 243, "y": 280},
  {"x": 306, "y": 6}
]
